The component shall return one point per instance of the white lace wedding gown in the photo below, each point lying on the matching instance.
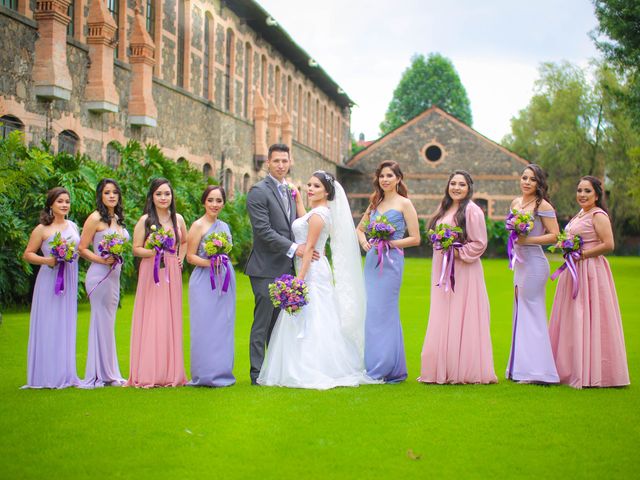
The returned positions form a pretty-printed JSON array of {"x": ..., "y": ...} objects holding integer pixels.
[{"x": 309, "y": 349}]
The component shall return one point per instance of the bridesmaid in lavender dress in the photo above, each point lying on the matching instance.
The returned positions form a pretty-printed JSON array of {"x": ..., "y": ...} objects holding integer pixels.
[
  {"x": 51, "y": 358},
  {"x": 530, "y": 359},
  {"x": 457, "y": 346},
  {"x": 103, "y": 286},
  {"x": 586, "y": 332},
  {"x": 212, "y": 312},
  {"x": 384, "y": 346}
]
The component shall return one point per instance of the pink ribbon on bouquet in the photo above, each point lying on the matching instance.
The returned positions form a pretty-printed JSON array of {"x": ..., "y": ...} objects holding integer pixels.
[
  {"x": 511, "y": 249},
  {"x": 156, "y": 264},
  {"x": 113, "y": 267},
  {"x": 570, "y": 263},
  {"x": 448, "y": 272},
  {"x": 383, "y": 247},
  {"x": 218, "y": 261}
]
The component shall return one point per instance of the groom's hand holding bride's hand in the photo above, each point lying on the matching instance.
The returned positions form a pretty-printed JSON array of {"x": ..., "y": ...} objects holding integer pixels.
[{"x": 300, "y": 252}]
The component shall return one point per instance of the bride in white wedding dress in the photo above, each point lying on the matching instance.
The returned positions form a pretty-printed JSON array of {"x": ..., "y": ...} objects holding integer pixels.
[{"x": 322, "y": 346}]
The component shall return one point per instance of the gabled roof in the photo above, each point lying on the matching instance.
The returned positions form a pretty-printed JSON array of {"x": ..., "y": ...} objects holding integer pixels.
[
  {"x": 447, "y": 116},
  {"x": 259, "y": 20}
]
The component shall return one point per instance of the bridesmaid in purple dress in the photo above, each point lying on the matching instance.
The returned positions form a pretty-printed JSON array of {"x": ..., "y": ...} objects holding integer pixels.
[
  {"x": 51, "y": 358},
  {"x": 212, "y": 312},
  {"x": 531, "y": 359},
  {"x": 384, "y": 355},
  {"x": 103, "y": 286}
]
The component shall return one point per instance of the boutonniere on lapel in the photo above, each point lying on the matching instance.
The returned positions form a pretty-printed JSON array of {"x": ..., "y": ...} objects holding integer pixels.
[{"x": 292, "y": 191}]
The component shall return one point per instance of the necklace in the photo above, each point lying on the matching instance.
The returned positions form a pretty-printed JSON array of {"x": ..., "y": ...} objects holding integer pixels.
[{"x": 526, "y": 204}]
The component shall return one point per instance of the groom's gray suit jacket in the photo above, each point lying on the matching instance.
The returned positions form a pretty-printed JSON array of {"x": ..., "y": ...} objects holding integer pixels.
[{"x": 272, "y": 235}]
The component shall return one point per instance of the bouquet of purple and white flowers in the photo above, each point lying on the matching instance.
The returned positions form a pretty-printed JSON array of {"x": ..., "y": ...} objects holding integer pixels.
[
  {"x": 379, "y": 232},
  {"x": 517, "y": 223},
  {"x": 161, "y": 240},
  {"x": 289, "y": 293},
  {"x": 64, "y": 251},
  {"x": 217, "y": 246},
  {"x": 444, "y": 237},
  {"x": 571, "y": 248},
  {"x": 111, "y": 245}
]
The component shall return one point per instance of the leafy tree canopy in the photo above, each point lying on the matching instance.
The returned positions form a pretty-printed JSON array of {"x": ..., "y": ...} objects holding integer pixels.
[{"x": 427, "y": 82}]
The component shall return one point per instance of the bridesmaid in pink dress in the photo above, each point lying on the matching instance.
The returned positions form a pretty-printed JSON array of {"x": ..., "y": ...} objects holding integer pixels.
[
  {"x": 457, "y": 347},
  {"x": 586, "y": 332},
  {"x": 156, "y": 331}
]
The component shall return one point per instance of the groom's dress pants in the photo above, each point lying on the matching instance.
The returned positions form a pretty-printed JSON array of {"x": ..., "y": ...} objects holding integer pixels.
[{"x": 264, "y": 319}]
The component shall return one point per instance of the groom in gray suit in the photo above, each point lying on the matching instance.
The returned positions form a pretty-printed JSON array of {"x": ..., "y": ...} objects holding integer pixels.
[{"x": 272, "y": 210}]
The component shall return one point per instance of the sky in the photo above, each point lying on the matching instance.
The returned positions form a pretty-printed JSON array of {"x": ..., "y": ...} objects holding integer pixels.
[{"x": 496, "y": 47}]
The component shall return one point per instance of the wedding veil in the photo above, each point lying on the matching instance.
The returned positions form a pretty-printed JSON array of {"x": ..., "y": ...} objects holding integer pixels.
[{"x": 347, "y": 269}]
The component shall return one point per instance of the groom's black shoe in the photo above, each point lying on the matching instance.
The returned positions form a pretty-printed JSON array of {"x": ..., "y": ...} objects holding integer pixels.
[{"x": 254, "y": 382}]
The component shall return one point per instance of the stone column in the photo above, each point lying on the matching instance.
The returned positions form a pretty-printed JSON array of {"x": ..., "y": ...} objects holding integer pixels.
[
  {"x": 50, "y": 71},
  {"x": 101, "y": 95},
  {"x": 259, "y": 131},
  {"x": 142, "y": 108},
  {"x": 287, "y": 133},
  {"x": 274, "y": 123}
]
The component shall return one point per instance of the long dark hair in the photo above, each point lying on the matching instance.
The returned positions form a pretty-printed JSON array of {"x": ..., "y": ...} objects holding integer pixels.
[
  {"x": 46, "y": 216},
  {"x": 152, "y": 214},
  {"x": 447, "y": 201},
  {"x": 378, "y": 194},
  {"x": 542, "y": 188},
  {"x": 102, "y": 208},
  {"x": 597, "y": 187},
  {"x": 328, "y": 182}
]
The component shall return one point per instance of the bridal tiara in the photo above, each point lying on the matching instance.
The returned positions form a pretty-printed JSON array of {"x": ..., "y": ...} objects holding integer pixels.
[{"x": 327, "y": 177}]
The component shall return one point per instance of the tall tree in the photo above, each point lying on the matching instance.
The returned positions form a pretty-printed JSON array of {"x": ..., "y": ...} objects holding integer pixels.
[
  {"x": 425, "y": 83},
  {"x": 618, "y": 37}
]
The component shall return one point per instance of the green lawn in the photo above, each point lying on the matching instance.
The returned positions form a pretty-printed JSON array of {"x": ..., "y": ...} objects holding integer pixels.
[{"x": 409, "y": 430}]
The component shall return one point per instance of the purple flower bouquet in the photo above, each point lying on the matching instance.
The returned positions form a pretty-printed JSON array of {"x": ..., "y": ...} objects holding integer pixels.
[
  {"x": 289, "y": 293},
  {"x": 217, "y": 246},
  {"x": 64, "y": 251},
  {"x": 445, "y": 238},
  {"x": 160, "y": 240},
  {"x": 517, "y": 223},
  {"x": 379, "y": 232},
  {"x": 571, "y": 248}
]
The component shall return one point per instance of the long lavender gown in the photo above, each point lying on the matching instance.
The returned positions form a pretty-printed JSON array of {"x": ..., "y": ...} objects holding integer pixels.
[
  {"x": 530, "y": 358},
  {"x": 384, "y": 355},
  {"x": 51, "y": 358},
  {"x": 212, "y": 318},
  {"x": 102, "y": 359}
]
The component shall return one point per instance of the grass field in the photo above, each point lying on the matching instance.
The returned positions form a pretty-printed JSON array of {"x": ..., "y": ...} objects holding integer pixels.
[{"x": 409, "y": 430}]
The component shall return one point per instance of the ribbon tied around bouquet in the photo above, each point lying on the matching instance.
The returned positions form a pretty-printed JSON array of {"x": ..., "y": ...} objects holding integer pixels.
[
  {"x": 570, "y": 259},
  {"x": 156, "y": 263},
  {"x": 447, "y": 273},
  {"x": 383, "y": 247},
  {"x": 118, "y": 261},
  {"x": 218, "y": 262}
]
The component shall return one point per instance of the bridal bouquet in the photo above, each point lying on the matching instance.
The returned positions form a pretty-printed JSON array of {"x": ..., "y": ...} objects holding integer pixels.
[
  {"x": 445, "y": 238},
  {"x": 379, "y": 232},
  {"x": 517, "y": 223},
  {"x": 64, "y": 251},
  {"x": 289, "y": 293},
  {"x": 571, "y": 247},
  {"x": 217, "y": 246},
  {"x": 111, "y": 245},
  {"x": 161, "y": 240}
]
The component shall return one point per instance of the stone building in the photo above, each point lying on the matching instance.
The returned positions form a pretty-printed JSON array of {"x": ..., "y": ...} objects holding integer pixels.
[
  {"x": 210, "y": 81},
  {"x": 428, "y": 148}
]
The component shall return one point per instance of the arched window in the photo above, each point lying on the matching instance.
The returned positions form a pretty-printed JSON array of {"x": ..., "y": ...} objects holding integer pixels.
[
  {"x": 246, "y": 180},
  {"x": 70, "y": 26},
  {"x": 300, "y": 107},
  {"x": 12, "y": 4},
  {"x": 228, "y": 71},
  {"x": 228, "y": 182},
  {"x": 68, "y": 142},
  {"x": 206, "y": 60},
  {"x": 263, "y": 77},
  {"x": 113, "y": 156},
  {"x": 181, "y": 160},
  {"x": 289, "y": 94},
  {"x": 9, "y": 124},
  {"x": 206, "y": 170},
  {"x": 114, "y": 7},
  {"x": 181, "y": 42},
  {"x": 151, "y": 18},
  {"x": 483, "y": 203},
  {"x": 277, "y": 95},
  {"x": 248, "y": 73}
]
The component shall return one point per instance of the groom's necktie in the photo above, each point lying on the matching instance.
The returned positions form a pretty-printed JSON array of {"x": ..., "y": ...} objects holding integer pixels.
[{"x": 282, "y": 188}]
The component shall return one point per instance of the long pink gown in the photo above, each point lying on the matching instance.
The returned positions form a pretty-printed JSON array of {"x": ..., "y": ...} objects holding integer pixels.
[
  {"x": 457, "y": 347},
  {"x": 586, "y": 332},
  {"x": 156, "y": 331}
]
